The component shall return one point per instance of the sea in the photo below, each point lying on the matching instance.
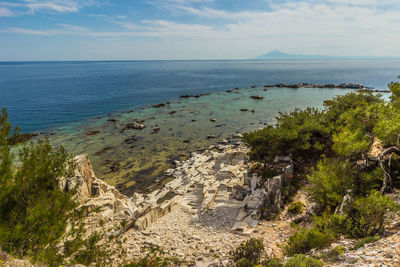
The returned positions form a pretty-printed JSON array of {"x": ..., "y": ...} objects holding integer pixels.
[{"x": 86, "y": 105}]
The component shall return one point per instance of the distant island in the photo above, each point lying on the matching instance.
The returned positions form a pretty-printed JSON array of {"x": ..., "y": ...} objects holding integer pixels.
[{"x": 276, "y": 54}]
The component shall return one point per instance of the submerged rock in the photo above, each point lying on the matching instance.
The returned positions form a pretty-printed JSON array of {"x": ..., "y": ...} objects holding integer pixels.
[
  {"x": 105, "y": 149},
  {"x": 92, "y": 132},
  {"x": 257, "y": 97},
  {"x": 137, "y": 125},
  {"x": 159, "y": 105}
]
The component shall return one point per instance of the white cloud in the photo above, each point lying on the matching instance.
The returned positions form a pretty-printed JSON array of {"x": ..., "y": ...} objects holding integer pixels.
[
  {"x": 307, "y": 27},
  {"x": 60, "y": 6},
  {"x": 5, "y": 12}
]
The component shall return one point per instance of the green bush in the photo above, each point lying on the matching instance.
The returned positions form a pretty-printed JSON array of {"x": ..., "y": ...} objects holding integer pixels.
[
  {"x": 304, "y": 240},
  {"x": 334, "y": 223},
  {"x": 368, "y": 216},
  {"x": 296, "y": 207},
  {"x": 271, "y": 262},
  {"x": 33, "y": 211},
  {"x": 330, "y": 182},
  {"x": 302, "y": 133},
  {"x": 301, "y": 260},
  {"x": 348, "y": 102},
  {"x": 371, "y": 214},
  {"x": 248, "y": 252},
  {"x": 89, "y": 251},
  {"x": 365, "y": 240}
]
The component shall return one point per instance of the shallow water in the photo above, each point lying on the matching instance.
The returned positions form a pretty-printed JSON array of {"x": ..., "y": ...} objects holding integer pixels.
[
  {"x": 136, "y": 165},
  {"x": 70, "y": 95},
  {"x": 39, "y": 95}
]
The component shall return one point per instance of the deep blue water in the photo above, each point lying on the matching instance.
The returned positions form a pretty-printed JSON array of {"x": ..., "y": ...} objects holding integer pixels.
[{"x": 39, "y": 95}]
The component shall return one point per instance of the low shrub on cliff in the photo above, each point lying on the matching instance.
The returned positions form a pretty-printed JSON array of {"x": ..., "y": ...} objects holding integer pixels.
[
  {"x": 304, "y": 240},
  {"x": 248, "y": 253},
  {"x": 329, "y": 182},
  {"x": 33, "y": 211},
  {"x": 301, "y": 260},
  {"x": 371, "y": 214},
  {"x": 296, "y": 207}
]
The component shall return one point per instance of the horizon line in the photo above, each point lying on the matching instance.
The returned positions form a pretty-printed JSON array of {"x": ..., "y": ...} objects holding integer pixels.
[{"x": 244, "y": 59}]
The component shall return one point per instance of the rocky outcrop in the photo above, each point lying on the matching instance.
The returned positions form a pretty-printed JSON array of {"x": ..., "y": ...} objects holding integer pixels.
[
  {"x": 82, "y": 181},
  {"x": 346, "y": 205},
  {"x": 203, "y": 182},
  {"x": 329, "y": 85},
  {"x": 96, "y": 198},
  {"x": 211, "y": 195}
]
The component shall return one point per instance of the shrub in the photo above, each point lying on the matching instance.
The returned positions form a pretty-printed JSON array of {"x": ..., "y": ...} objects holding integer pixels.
[
  {"x": 33, "y": 211},
  {"x": 91, "y": 251},
  {"x": 301, "y": 133},
  {"x": 372, "y": 213},
  {"x": 334, "y": 223},
  {"x": 395, "y": 90},
  {"x": 330, "y": 182},
  {"x": 304, "y": 240},
  {"x": 272, "y": 262},
  {"x": 296, "y": 207},
  {"x": 248, "y": 252},
  {"x": 362, "y": 242},
  {"x": 301, "y": 260},
  {"x": 344, "y": 103}
]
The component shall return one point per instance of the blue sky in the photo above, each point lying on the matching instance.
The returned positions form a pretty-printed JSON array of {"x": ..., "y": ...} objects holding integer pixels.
[{"x": 196, "y": 29}]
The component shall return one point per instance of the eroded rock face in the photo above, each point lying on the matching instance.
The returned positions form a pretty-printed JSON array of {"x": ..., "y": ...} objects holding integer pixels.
[
  {"x": 273, "y": 197},
  {"x": 82, "y": 181},
  {"x": 99, "y": 201}
]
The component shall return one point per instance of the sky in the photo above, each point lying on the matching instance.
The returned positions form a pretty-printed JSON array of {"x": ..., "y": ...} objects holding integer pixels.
[{"x": 195, "y": 29}]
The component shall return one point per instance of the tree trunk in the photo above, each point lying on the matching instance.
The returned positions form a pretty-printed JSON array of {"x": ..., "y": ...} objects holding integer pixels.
[{"x": 387, "y": 179}]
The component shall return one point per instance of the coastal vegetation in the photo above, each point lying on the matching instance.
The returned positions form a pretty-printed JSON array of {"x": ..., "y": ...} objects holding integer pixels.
[
  {"x": 33, "y": 211},
  {"x": 347, "y": 156}
]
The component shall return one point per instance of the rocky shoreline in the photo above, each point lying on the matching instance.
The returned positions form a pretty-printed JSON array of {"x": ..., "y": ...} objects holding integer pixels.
[
  {"x": 212, "y": 204},
  {"x": 355, "y": 86}
]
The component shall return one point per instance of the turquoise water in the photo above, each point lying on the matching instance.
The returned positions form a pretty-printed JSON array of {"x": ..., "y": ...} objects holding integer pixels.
[
  {"x": 136, "y": 159},
  {"x": 39, "y": 95},
  {"x": 86, "y": 105}
]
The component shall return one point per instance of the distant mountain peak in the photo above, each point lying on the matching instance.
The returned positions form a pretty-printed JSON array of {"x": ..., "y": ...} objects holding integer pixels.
[{"x": 276, "y": 54}]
